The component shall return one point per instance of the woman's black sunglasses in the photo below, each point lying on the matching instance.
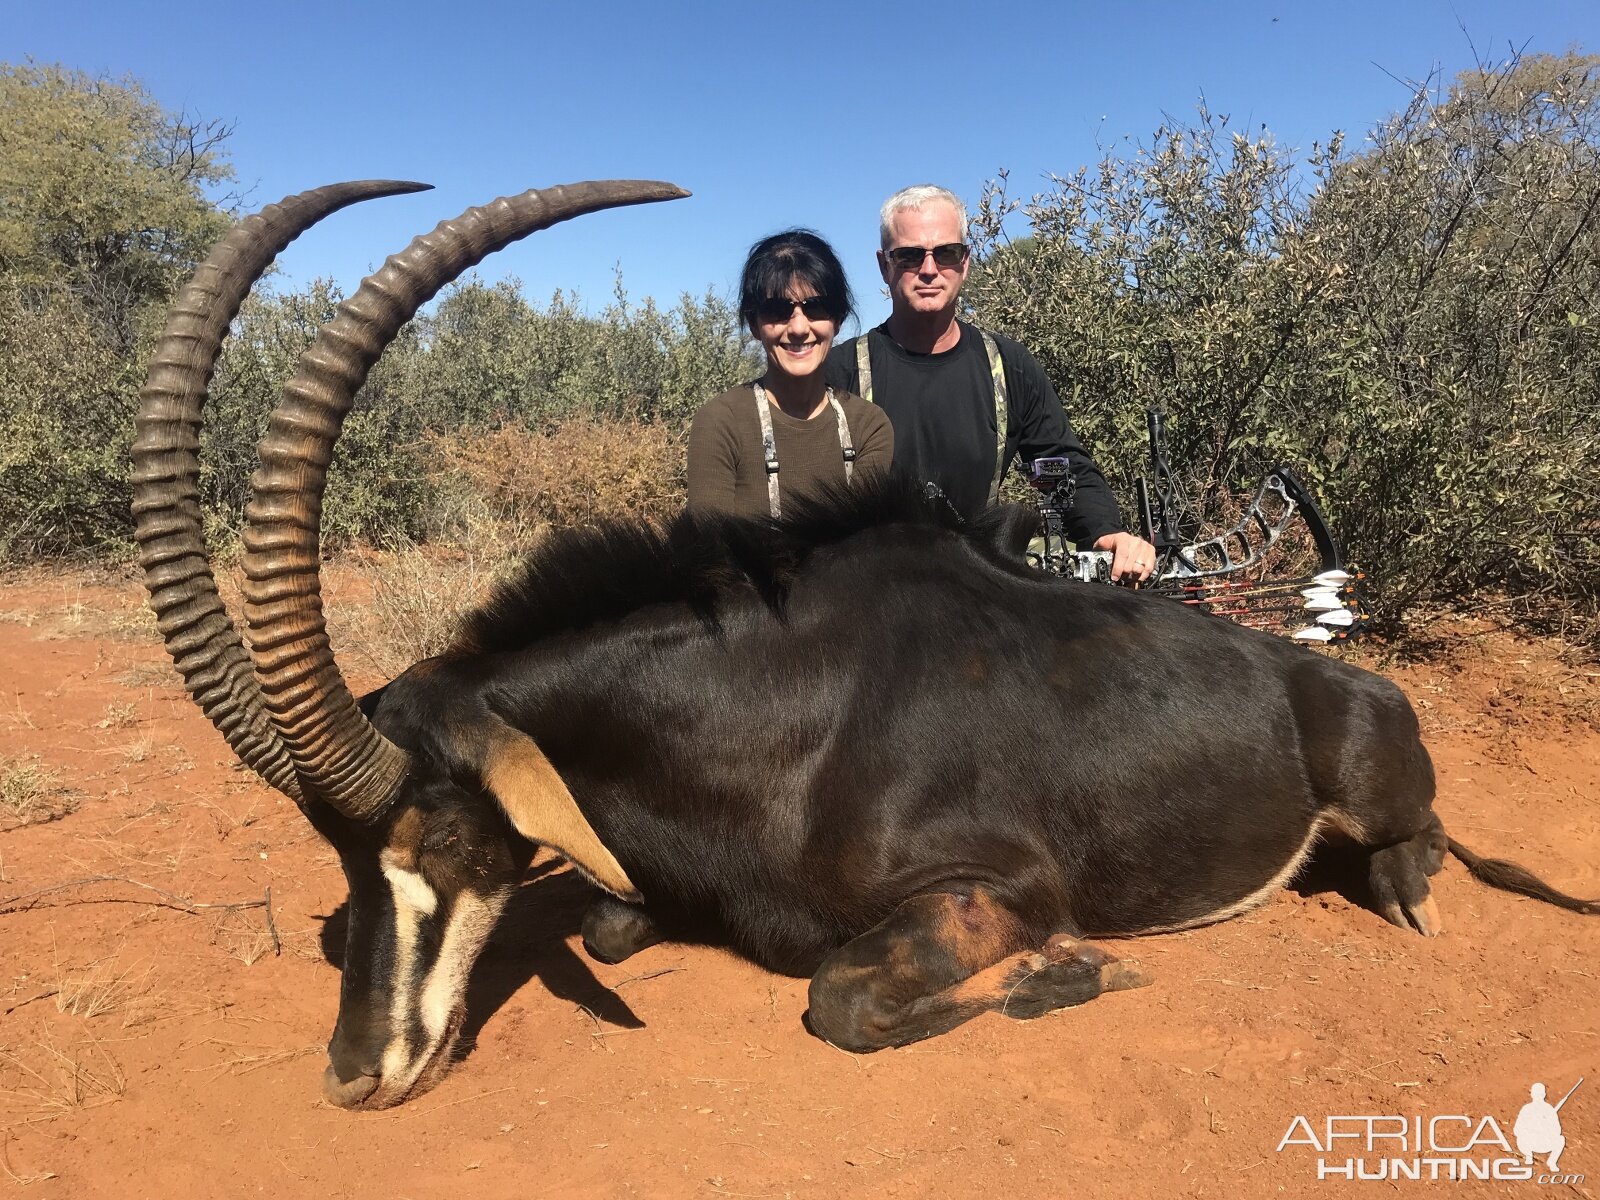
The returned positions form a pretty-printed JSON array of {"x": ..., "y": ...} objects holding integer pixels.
[
  {"x": 909, "y": 258},
  {"x": 776, "y": 310}
]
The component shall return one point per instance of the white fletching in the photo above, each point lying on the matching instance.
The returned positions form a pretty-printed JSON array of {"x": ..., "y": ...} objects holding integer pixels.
[
  {"x": 1321, "y": 604},
  {"x": 1313, "y": 633},
  {"x": 1331, "y": 578},
  {"x": 1336, "y": 617}
]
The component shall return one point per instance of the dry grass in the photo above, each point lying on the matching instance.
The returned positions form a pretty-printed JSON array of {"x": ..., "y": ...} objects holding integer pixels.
[
  {"x": 243, "y": 935},
  {"x": 31, "y": 795},
  {"x": 179, "y": 760},
  {"x": 43, "y": 1080},
  {"x": 501, "y": 490},
  {"x": 137, "y": 856},
  {"x": 105, "y": 987},
  {"x": 100, "y": 620},
  {"x": 152, "y": 674},
  {"x": 87, "y": 619},
  {"x": 418, "y": 598},
  {"x": 15, "y": 716},
  {"x": 22, "y": 1180},
  {"x": 244, "y": 1059},
  {"x": 225, "y": 823},
  {"x": 578, "y": 472},
  {"x": 119, "y": 716}
]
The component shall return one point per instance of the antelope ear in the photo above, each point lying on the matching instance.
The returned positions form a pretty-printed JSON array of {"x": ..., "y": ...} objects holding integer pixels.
[{"x": 541, "y": 809}]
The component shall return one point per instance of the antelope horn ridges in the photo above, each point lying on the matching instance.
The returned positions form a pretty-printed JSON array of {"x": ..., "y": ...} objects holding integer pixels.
[
  {"x": 199, "y": 634},
  {"x": 337, "y": 753}
]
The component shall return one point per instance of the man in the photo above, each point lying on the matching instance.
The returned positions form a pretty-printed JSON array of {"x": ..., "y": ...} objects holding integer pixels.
[{"x": 945, "y": 384}]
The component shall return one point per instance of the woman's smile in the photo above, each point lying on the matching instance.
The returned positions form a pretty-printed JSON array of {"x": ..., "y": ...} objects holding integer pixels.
[{"x": 796, "y": 344}]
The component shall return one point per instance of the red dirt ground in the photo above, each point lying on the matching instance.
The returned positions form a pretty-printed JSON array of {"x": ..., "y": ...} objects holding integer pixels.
[{"x": 150, "y": 1051}]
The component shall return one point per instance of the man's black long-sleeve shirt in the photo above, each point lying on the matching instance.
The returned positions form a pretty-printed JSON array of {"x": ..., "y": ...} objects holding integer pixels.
[{"x": 942, "y": 409}]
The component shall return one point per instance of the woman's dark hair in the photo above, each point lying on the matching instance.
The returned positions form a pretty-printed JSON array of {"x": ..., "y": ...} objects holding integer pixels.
[{"x": 794, "y": 256}]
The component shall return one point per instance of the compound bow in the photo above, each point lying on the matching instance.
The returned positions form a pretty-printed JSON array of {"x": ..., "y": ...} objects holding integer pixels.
[{"x": 1257, "y": 573}]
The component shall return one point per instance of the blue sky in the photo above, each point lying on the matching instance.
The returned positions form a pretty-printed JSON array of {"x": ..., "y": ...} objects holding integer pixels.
[{"x": 801, "y": 114}]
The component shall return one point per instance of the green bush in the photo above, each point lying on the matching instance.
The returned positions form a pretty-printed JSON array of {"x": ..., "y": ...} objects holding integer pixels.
[
  {"x": 1414, "y": 324},
  {"x": 102, "y": 214},
  {"x": 66, "y": 425},
  {"x": 485, "y": 370},
  {"x": 491, "y": 356},
  {"x": 1416, "y": 332}
]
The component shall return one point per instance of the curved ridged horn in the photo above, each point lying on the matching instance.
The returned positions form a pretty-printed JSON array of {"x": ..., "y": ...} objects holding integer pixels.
[
  {"x": 200, "y": 636},
  {"x": 339, "y": 755}
]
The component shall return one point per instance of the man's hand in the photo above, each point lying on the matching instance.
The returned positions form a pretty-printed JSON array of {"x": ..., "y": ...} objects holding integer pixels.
[{"x": 1131, "y": 556}]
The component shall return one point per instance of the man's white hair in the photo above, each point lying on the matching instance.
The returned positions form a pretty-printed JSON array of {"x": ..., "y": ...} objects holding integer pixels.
[{"x": 916, "y": 197}]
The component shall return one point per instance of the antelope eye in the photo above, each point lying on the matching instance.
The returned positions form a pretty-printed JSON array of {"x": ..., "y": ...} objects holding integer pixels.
[{"x": 441, "y": 832}]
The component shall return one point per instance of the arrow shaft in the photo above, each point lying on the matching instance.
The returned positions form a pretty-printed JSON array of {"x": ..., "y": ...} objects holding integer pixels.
[
  {"x": 1227, "y": 604},
  {"x": 1243, "y": 590},
  {"x": 1228, "y": 585}
]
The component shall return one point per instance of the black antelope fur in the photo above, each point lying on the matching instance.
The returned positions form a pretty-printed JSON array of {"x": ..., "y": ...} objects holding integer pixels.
[{"x": 870, "y": 746}]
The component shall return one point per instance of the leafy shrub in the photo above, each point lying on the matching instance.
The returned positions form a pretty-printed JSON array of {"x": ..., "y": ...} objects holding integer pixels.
[
  {"x": 492, "y": 357},
  {"x": 378, "y": 484},
  {"x": 1417, "y": 332},
  {"x": 102, "y": 212},
  {"x": 66, "y": 425},
  {"x": 543, "y": 409},
  {"x": 1456, "y": 344}
]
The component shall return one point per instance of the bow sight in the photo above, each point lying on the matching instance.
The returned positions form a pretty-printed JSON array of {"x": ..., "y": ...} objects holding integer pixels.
[{"x": 1052, "y": 479}]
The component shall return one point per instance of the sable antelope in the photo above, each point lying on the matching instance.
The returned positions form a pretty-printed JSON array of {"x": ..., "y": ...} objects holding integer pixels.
[{"x": 850, "y": 744}]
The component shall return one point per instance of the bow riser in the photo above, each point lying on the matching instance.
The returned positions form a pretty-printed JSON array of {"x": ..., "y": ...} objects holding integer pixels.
[{"x": 1211, "y": 574}]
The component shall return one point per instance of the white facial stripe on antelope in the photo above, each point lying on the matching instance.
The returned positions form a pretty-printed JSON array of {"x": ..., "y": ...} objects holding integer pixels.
[
  {"x": 410, "y": 889},
  {"x": 444, "y": 993},
  {"x": 413, "y": 900},
  {"x": 428, "y": 996}
]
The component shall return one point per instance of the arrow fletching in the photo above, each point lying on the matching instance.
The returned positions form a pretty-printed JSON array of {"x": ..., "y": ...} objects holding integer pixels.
[{"x": 1313, "y": 633}]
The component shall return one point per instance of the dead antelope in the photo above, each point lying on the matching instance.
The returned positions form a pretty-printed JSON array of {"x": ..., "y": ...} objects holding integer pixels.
[{"x": 853, "y": 744}]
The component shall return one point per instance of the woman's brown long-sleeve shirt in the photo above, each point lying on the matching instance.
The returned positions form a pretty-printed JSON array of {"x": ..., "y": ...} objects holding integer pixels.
[{"x": 728, "y": 472}]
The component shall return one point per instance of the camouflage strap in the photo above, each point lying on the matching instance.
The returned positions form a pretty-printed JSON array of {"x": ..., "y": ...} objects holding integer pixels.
[
  {"x": 769, "y": 447},
  {"x": 845, "y": 443},
  {"x": 769, "y": 444},
  {"x": 864, "y": 367},
  {"x": 997, "y": 373}
]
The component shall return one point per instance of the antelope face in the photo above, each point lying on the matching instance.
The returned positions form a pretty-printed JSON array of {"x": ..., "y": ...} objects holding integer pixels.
[{"x": 426, "y": 886}]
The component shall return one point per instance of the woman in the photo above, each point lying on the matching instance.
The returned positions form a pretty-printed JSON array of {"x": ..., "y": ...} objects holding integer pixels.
[{"x": 787, "y": 434}]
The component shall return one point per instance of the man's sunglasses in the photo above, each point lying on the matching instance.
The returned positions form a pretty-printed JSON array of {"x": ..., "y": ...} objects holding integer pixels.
[
  {"x": 909, "y": 258},
  {"x": 777, "y": 310}
]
